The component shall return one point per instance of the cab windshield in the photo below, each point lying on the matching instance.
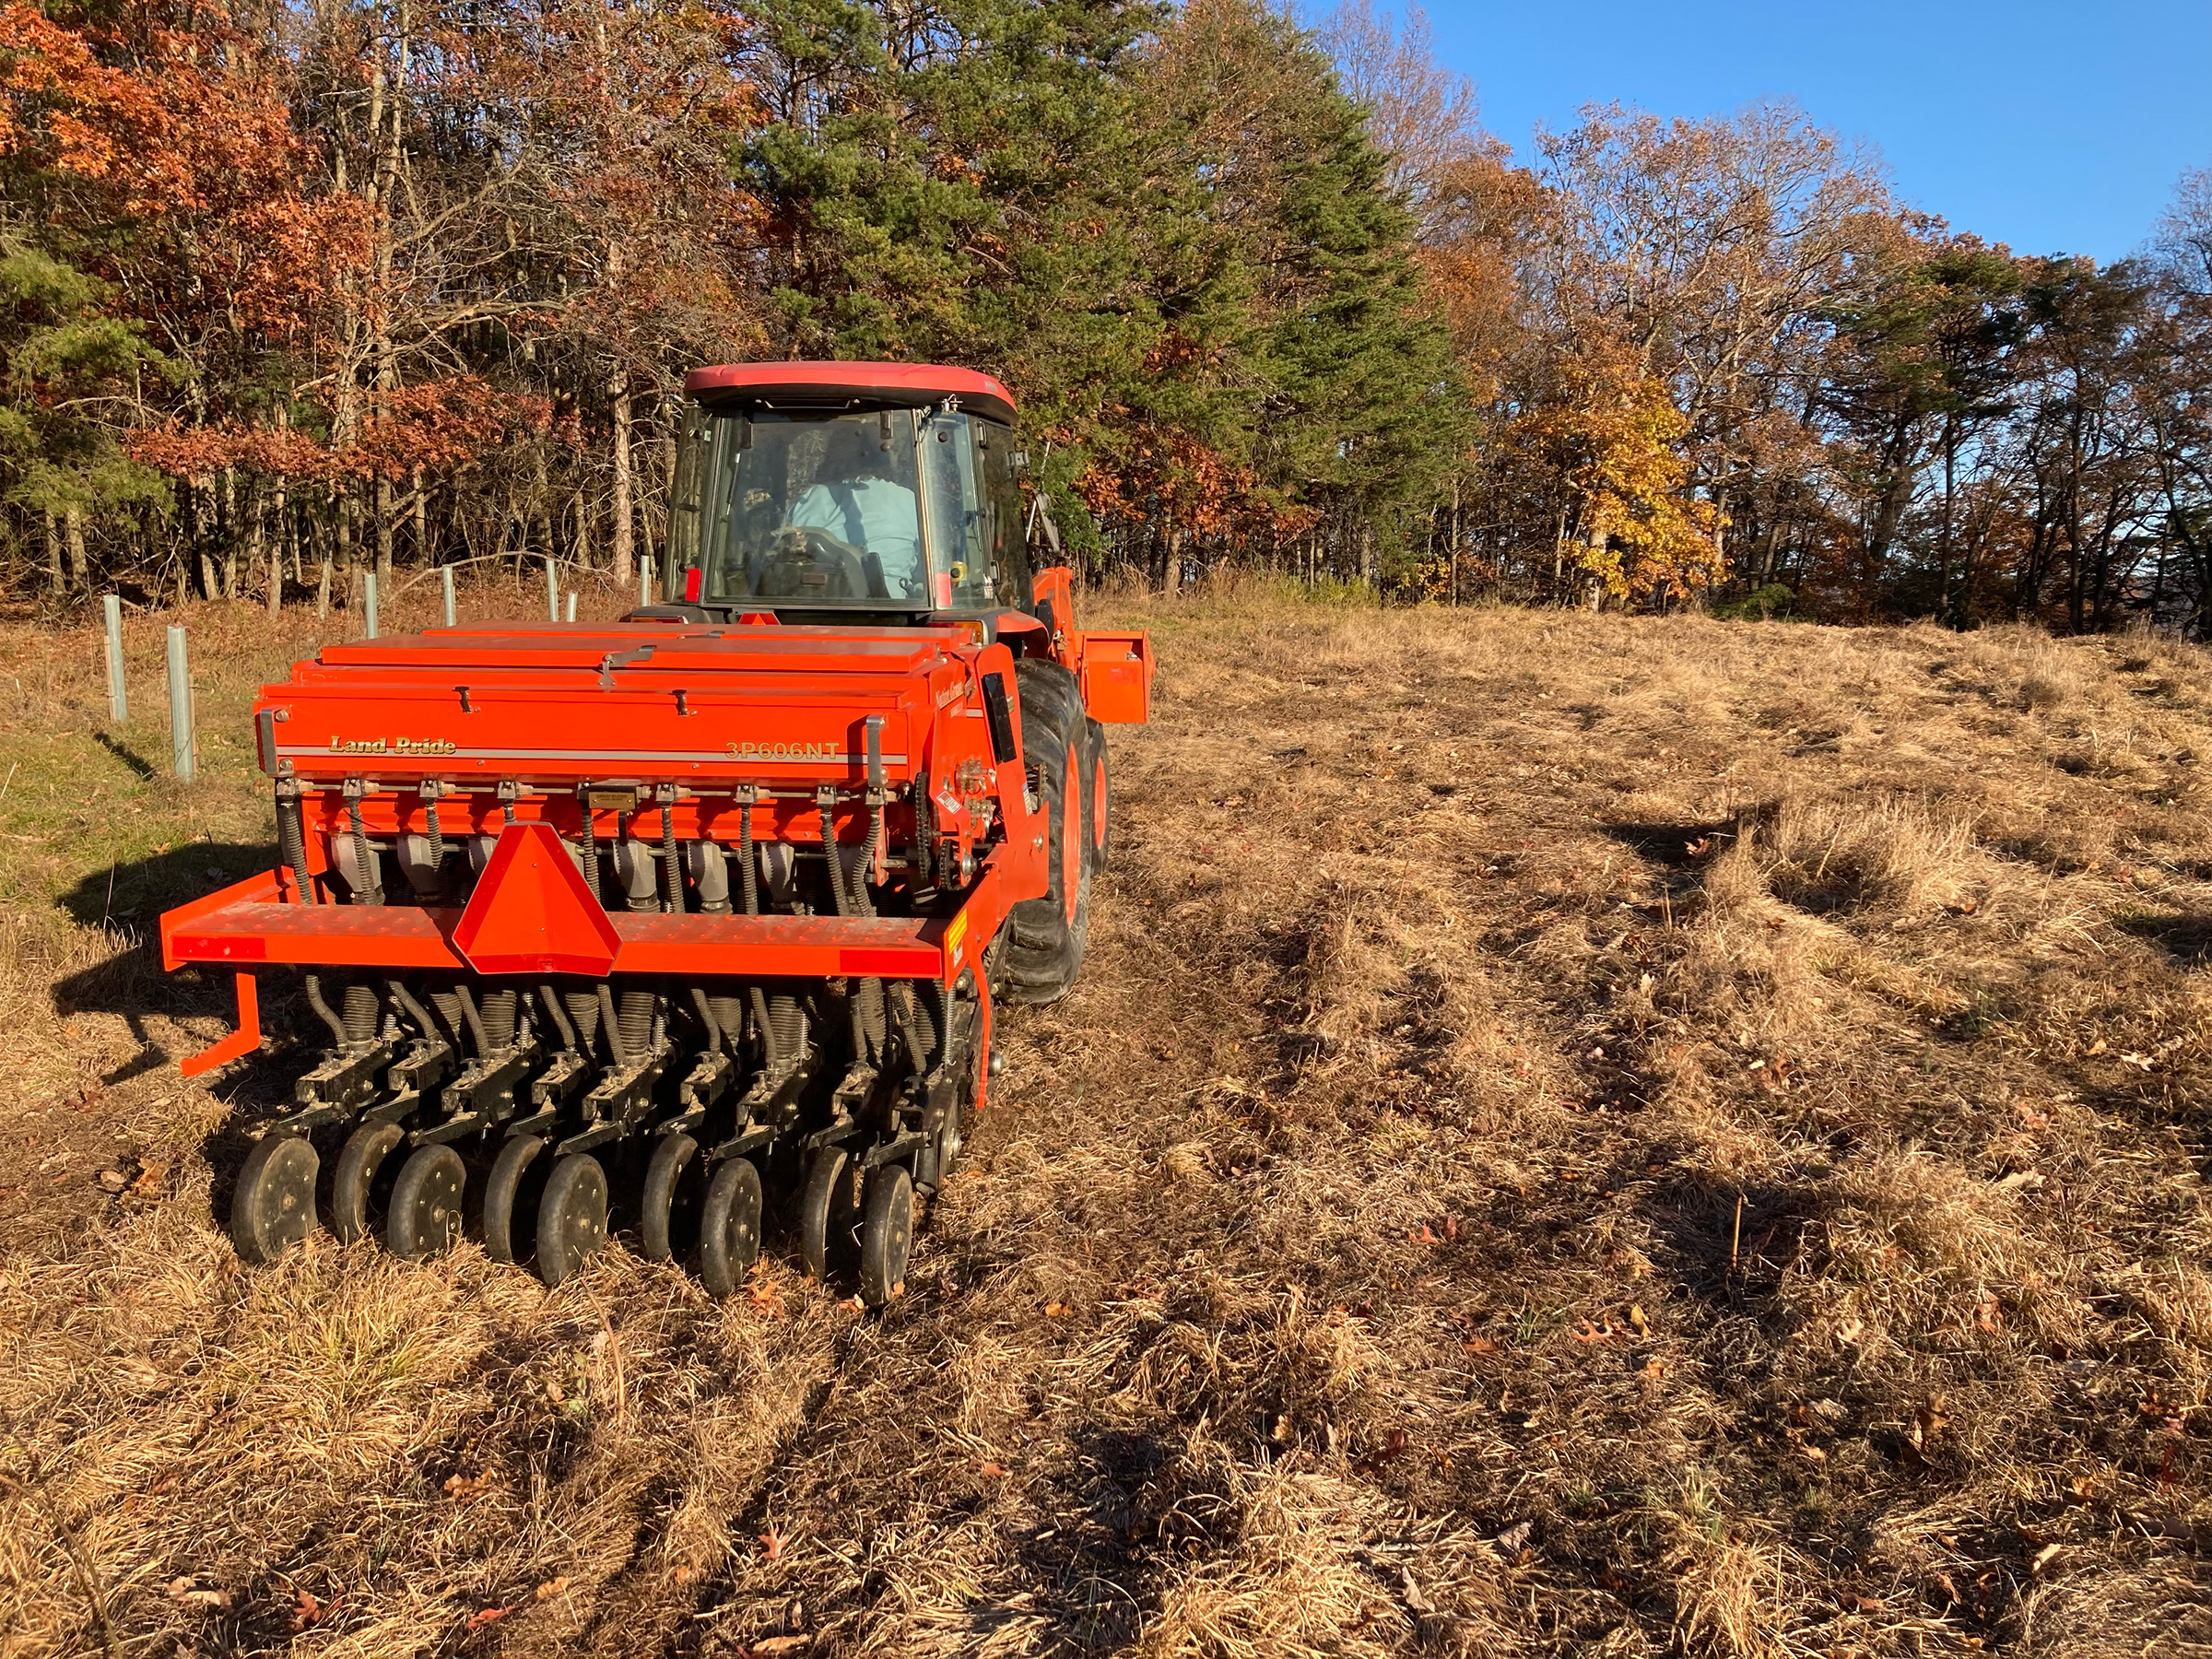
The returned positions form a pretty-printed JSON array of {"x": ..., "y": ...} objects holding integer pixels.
[
  {"x": 820, "y": 511},
  {"x": 880, "y": 509}
]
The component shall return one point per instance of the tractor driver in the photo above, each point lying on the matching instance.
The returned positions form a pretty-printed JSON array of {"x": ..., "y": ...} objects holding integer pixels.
[{"x": 854, "y": 499}]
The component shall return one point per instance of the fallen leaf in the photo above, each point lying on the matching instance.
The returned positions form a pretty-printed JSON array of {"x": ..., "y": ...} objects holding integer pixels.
[
  {"x": 554, "y": 1586},
  {"x": 770, "y": 1646},
  {"x": 2099, "y": 1047},
  {"x": 150, "y": 1181},
  {"x": 2043, "y": 1558},
  {"x": 187, "y": 1592},
  {"x": 114, "y": 1181},
  {"x": 464, "y": 1486},
  {"x": 1054, "y": 1309},
  {"x": 993, "y": 1469},
  {"x": 1480, "y": 1345},
  {"x": 1511, "y": 1539},
  {"x": 1637, "y": 1319},
  {"x": 686, "y": 1574},
  {"x": 1989, "y": 1313},
  {"x": 477, "y": 1620},
  {"x": 766, "y": 1299},
  {"x": 1652, "y": 1369},
  {"x": 771, "y": 1544},
  {"x": 1855, "y": 1603},
  {"x": 1423, "y": 1237}
]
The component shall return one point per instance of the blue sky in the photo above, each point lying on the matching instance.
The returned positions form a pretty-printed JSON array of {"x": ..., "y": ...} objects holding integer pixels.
[{"x": 2055, "y": 128}]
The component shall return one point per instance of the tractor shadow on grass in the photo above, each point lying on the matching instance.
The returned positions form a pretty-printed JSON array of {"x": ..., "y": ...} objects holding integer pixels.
[{"x": 127, "y": 900}]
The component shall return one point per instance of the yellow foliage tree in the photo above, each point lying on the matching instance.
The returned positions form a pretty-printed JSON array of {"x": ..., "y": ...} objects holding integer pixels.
[{"x": 1614, "y": 437}]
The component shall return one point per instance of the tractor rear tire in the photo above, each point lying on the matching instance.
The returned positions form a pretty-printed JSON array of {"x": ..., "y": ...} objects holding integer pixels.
[{"x": 1044, "y": 937}]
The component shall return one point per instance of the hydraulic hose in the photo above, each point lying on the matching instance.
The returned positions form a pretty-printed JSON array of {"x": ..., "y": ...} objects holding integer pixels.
[
  {"x": 476, "y": 1024},
  {"x": 430, "y": 815},
  {"x": 551, "y": 1001},
  {"x": 291, "y": 835},
  {"x": 612, "y": 1026},
  {"x": 323, "y": 1009},
  {"x": 405, "y": 999},
  {"x": 706, "y": 1018},
  {"x": 372, "y": 887}
]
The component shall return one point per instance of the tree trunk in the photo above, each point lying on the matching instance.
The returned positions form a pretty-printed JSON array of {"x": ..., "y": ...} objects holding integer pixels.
[
  {"x": 322, "y": 595},
  {"x": 226, "y": 532},
  {"x": 73, "y": 526},
  {"x": 382, "y": 508},
  {"x": 54, "y": 553},
  {"x": 257, "y": 554},
  {"x": 1453, "y": 541},
  {"x": 624, "y": 549}
]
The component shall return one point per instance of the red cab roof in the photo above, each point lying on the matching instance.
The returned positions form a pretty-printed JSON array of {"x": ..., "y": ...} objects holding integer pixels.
[{"x": 912, "y": 385}]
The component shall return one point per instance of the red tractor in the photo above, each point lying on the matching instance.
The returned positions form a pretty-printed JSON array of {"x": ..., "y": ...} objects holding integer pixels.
[{"x": 715, "y": 900}]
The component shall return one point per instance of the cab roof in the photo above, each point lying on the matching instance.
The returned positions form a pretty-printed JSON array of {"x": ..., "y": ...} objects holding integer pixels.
[{"x": 902, "y": 385}]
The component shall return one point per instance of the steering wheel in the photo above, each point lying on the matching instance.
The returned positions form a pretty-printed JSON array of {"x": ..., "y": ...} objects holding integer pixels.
[{"x": 805, "y": 563}]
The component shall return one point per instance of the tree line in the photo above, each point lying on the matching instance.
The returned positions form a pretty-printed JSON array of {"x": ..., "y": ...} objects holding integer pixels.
[{"x": 324, "y": 285}]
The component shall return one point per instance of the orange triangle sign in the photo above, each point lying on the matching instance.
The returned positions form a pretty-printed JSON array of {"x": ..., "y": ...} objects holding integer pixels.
[{"x": 531, "y": 912}]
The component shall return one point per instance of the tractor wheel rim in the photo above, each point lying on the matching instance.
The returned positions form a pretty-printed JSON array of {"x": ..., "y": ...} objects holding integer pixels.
[{"x": 1097, "y": 803}]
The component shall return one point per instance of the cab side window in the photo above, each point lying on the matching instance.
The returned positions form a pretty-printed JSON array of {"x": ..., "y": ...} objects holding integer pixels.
[{"x": 1002, "y": 517}]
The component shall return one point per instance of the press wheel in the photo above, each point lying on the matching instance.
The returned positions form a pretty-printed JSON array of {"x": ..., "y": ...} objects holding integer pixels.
[
  {"x": 424, "y": 1215},
  {"x": 729, "y": 1227},
  {"x": 572, "y": 1217},
  {"x": 886, "y": 1234},
  {"x": 361, "y": 1184},
  {"x": 675, "y": 1181},
  {"x": 504, "y": 1196},
  {"x": 829, "y": 1208},
  {"x": 273, "y": 1207}
]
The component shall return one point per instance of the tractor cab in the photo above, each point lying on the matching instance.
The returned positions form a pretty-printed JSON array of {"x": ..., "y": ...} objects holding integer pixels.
[{"x": 847, "y": 493}]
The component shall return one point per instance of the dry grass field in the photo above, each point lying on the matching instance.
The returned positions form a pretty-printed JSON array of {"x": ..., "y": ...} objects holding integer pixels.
[{"x": 1580, "y": 1135}]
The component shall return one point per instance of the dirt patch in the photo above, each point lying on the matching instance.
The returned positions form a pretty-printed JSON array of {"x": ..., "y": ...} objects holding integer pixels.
[{"x": 1578, "y": 1133}]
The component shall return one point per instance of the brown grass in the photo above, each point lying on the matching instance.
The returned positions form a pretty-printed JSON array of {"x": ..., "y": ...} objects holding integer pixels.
[{"x": 1579, "y": 1134}]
